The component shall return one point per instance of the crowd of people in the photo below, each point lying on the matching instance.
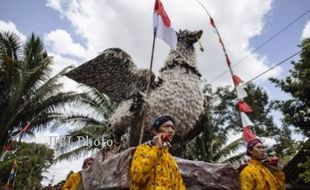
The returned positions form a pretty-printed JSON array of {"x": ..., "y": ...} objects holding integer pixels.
[{"x": 154, "y": 168}]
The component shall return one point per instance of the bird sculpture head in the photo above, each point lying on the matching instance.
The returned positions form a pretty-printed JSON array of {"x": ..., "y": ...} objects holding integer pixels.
[
  {"x": 185, "y": 54},
  {"x": 188, "y": 38}
]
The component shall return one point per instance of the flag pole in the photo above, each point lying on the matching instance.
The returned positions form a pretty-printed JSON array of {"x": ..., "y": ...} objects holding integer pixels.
[
  {"x": 227, "y": 61},
  {"x": 148, "y": 87}
]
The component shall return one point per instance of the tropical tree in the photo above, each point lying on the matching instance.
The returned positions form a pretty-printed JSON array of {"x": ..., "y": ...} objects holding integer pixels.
[
  {"x": 305, "y": 165},
  {"x": 285, "y": 146},
  {"x": 28, "y": 93},
  {"x": 261, "y": 105},
  {"x": 224, "y": 121},
  {"x": 92, "y": 134},
  {"x": 32, "y": 159},
  {"x": 296, "y": 110}
]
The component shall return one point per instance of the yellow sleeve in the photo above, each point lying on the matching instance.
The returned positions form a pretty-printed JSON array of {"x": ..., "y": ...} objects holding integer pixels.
[
  {"x": 143, "y": 161},
  {"x": 73, "y": 182},
  {"x": 279, "y": 175},
  {"x": 247, "y": 181}
]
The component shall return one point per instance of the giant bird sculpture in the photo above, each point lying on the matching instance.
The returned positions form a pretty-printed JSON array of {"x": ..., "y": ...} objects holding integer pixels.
[{"x": 177, "y": 92}]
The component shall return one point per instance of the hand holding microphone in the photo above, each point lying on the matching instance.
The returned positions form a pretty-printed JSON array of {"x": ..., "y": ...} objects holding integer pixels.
[
  {"x": 166, "y": 137},
  {"x": 273, "y": 161},
  {"x": 162, "y": 139}
]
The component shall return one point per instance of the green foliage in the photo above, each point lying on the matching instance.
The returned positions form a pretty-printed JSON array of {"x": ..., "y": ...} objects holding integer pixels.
[
  {"x": 224, "y": 120},
  {"x": 306, "y": 174},
  {"x": 32, "y": 159},
  {"x": 27, "y": 91},
  {"x": 296, "y": 110},
  {"x": 259, "y": 101},
  {"x": 210, "y": 144},
  {"x": 306, "y": 165},
  {"x": 286, "y": 147}
]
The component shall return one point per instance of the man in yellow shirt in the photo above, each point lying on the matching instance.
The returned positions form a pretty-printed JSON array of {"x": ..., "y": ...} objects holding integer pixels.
[
  {"x": 74, "y": 181},
  {"x": 258, "y": 175},
  {"x": 152, "y": 166}
]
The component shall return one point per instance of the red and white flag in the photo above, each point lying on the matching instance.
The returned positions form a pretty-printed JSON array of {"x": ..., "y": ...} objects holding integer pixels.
[
  {"x": 244, "y": 107},
  {"x": 248, "y": 133},
  {"x": 241, "y": 93},
  {"x": 245, "y": 120},
  {"x": 237, "y": 80},
  {"x": 162, "y": 25}
]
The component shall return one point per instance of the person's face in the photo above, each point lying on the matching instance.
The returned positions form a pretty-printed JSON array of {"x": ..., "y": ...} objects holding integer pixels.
[
  {"x": 168, "y": 128},
  {"x": 258, "y": 152}
]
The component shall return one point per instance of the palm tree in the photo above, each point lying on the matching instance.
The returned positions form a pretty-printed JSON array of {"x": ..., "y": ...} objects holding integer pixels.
[
  {"x": 211, "y": 146},
  {"x": 93, "y": 132},
  {"x": 27, "y": 92}
]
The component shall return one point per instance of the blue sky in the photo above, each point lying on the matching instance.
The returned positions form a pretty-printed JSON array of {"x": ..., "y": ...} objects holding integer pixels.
[
  {"x": 284, "y": 12},
  {"x": 75, "y": 31}
]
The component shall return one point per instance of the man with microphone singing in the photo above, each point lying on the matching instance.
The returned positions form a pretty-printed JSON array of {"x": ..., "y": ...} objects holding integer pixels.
[
  {"x": 152, "y": 166},
  {"x": 260, "y": 174}
]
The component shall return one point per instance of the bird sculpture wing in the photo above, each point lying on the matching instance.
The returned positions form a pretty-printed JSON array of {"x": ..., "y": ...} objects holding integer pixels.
[{"x": 114, "y": 73}]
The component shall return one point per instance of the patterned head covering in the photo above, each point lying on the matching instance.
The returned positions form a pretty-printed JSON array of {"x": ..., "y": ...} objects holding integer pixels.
[
  {"x": 161, "y": 120},
  {"x": 251, "y": 143}
]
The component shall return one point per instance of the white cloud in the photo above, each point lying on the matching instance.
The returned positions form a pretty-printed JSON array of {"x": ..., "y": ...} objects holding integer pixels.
[
  {"x": 54, "y": 4},
  {"x": 105, "y": 24},
  {"x": 61, "y": 62},
  {"x": 254, "y": 66},
  {"x": 10, "y": 26},
  {"x": 306, "y": 31},
  {"x": 61, "y": 43}
]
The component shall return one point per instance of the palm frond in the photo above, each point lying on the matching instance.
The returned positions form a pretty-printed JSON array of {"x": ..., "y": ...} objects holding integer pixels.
[
  {"x": 44, "y": 120},
  {"x": 34, "y": 52},
  {"x": 236, "y": 159},
  {"x": 228, "y": 149},
  {"x": 81, "y": 119},
  {"x": 92, "y": 134},
  {"x": 10, "y": 44},
  {"x": 74, "y": 154},
  {"x": 35, "y": 77},
  {"x": 49, "y": 87},
  {"x": 98, "y": 102}
]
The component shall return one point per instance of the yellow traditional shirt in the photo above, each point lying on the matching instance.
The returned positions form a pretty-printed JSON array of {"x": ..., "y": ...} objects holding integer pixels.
[
  {"x": 152, "y": 166},
  {"x": 73, "y": 182},
  {"x": 255, "y": 176}
]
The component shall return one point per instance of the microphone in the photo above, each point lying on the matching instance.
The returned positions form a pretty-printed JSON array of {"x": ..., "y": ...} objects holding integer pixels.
[
  {"x": 273, "y": 161},
  {"x": 166, "y": 138}
]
